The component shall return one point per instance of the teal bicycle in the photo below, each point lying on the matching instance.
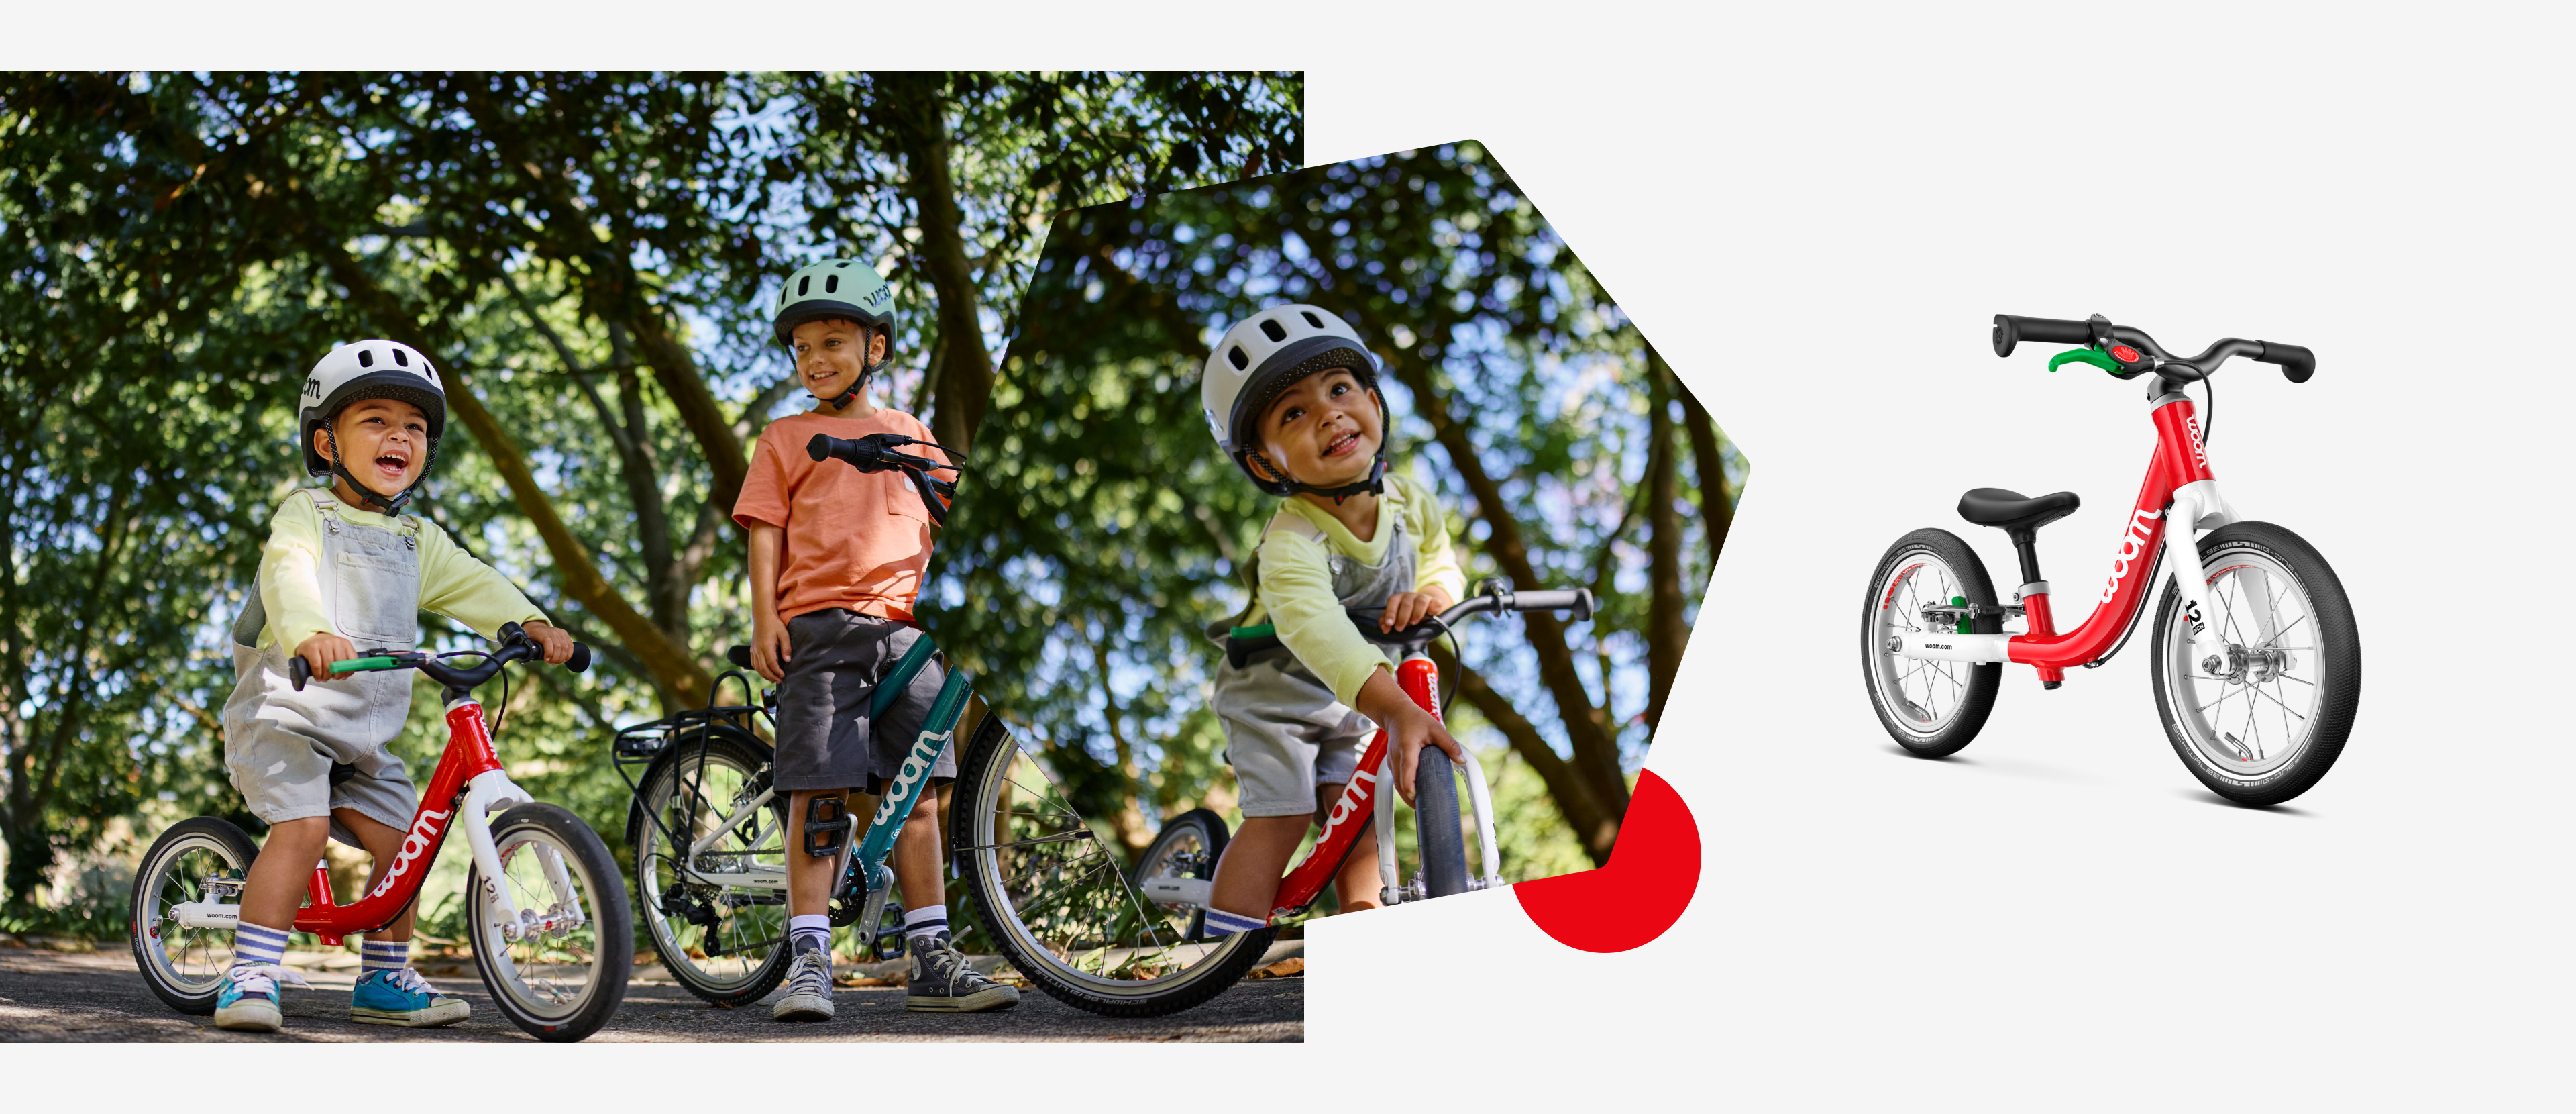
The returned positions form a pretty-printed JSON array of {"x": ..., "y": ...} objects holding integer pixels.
[{"x": 711, "y": 837}]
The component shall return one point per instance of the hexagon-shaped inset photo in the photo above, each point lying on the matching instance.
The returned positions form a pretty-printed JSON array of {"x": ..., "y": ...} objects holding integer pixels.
[{"x": 1271, "y": 465}]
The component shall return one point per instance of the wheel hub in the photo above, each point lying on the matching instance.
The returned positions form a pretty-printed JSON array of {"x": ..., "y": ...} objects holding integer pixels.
[{"x": 2241, "y": 664}]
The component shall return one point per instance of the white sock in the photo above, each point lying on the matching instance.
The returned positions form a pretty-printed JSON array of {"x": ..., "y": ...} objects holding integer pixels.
[
  {"x": 256, "y": 945},
  {"x": 813, "y": 930},
  {"x": 383, "y": 955},
  {"x": 1222, "y": 923},
  {"x": 922, "y": 922}
]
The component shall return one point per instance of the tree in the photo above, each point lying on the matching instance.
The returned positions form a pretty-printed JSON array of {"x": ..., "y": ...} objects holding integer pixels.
[{"x": 584, "y": 256}]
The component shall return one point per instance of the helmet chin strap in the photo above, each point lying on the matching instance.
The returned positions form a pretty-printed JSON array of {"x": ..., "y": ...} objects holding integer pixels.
[
  {"x": 391, "y": 505},
  {"x": 1375, "y": 484}
]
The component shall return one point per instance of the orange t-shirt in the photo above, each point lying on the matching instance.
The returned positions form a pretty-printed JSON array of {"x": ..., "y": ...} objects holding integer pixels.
[{"x": 854, "y": 540}]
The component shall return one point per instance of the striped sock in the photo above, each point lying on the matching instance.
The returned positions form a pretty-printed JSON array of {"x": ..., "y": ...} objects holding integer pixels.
[
  {"x": 924, "y": 922},
  {"x": 256, "y": 945},
  {"x": 383, "y": 955},
  {"x": 813, "y": 930},
  {"x": 1222, "y": 923}
]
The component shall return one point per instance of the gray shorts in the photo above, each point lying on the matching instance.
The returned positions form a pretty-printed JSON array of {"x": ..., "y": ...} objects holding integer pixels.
[
  {"x": 825, "y": 741},
  {"x": 295, "y": 755},
  {"x": 1285, "y": 734}
]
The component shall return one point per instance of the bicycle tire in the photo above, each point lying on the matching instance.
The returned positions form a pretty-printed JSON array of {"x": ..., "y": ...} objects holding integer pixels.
[
  {"x": 1435, "y": 820},
  {"x": 1189, "y": 845},
  {"x": 610, "y": 937},
  {"x": 149, "y": 928},
  {"x": 1920, "y": 726},
  {"x": 748, "y": 759},
  {"x": 2232, "y": 557},
  {"x": 1009, "y": 858}
]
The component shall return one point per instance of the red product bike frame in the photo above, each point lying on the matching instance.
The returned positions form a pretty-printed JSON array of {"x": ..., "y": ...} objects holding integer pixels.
[
  {"x": 461, "y": 775},
  {"x": 2180, "y": 487},
  {"x": 1353, "y": 813}
]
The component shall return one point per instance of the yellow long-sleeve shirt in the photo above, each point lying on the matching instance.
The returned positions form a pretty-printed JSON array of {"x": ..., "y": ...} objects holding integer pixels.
[
  {"x": 452, "y": 582},
  {"x": 1296, "y": 594}
]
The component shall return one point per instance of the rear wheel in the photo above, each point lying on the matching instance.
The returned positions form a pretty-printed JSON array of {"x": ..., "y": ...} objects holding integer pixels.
[
  {"x": 722, "y": 939},
  {"x": 1060, "y": 905},
  {"x": 1931, "y": 708},
  {"x": 2259, "y": 707},
  {"x": 1188, "y": 847},
  {"x": 566, "y": 973},
  {"x": 1435, "y": 820},
  {"x": 198, "y": 860}
]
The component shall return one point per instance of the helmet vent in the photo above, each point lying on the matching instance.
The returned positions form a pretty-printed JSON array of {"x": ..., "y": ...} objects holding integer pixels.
[
  {"x": 831, "y": 284},
  {"x": 1272, "y": 330},
  {"x": 1236, "y": 357},
  {"x": 804, "y": 284},
  {"x": 366, "y": 357},
  {"x": 399, "y": 358},
  {"x": 1311, "y": 319}
]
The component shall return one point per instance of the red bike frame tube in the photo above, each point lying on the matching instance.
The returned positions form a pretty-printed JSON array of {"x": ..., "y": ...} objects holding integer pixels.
[
  {"x": 2179, "y": 459},
  {"x": 469, "y": 752},
  {"x": 1352, "y": 814}
]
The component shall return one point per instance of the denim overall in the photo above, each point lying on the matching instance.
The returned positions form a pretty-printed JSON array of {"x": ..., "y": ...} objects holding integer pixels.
[
  {"x": 298, "y": 754},
  {"x": 1285, "y": 733}
]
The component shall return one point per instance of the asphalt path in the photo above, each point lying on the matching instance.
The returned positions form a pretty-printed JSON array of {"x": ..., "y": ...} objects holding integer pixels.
[{"x": 97, "y": 996}]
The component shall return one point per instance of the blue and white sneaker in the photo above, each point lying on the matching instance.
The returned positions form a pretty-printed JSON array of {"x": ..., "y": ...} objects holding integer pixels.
[
  {"x": 402, "y": 998},
  {"x": 246, "y": 999}
]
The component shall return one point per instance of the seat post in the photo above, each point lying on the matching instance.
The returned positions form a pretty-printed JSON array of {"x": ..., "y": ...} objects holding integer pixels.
[
  {"x": 2035, "y": 613},
  {"x": 2025, "y": 542}
]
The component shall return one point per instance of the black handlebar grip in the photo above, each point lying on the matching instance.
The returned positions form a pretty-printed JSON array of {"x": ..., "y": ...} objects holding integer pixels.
[
  {"x": 1576, "y": 600},
  {"x": 580, "y": 659},
  {"x": 819, "y": 447},
  {"x": 2297, "y": 363},
  {"x": 2010, "y": 330},
  {"x": 740, "y": 656},
  {"x": 298, "y": 672}
]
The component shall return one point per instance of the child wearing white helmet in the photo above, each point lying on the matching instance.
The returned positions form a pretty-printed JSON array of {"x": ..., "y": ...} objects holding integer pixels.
[
  {"x": 1291, "y": 395},
  {"x": 837, "y": 557},
  {"x": 344, "y": 568}
]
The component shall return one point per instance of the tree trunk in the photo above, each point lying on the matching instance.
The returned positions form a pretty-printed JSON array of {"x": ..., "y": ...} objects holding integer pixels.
[
  {"x": 1716, "y": 496},
  {"x": 963, "y": 372},
  {"x": 1666, "y": 632}
]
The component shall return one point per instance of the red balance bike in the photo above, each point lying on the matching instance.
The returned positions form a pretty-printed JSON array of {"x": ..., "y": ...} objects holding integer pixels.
[
  {"x": 546, "y": 914},
  {"x": 1131, "y": 942},
  {"x": 2257, "y": 666}
]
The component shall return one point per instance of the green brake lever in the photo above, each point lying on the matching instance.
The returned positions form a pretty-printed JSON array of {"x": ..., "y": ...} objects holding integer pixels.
[{"x": 2084, "y": 356}]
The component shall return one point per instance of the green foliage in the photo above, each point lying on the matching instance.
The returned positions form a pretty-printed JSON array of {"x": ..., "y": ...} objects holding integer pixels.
[{"x": 176, "y": 250}]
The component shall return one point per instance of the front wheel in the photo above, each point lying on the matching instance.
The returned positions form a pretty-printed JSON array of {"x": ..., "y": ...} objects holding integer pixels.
[
  {"x": 566, "y": 973},
  {"x": 1931, "y": 708},
  {"x": 199, "y": 860},
  {"x": 1060, "y": 905},
  {"x": 1435, "y": 821},
  {"x": 2259, "y": 694}
]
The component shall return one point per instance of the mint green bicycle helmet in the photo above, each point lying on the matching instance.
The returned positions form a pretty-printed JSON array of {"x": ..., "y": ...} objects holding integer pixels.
[{"x": 833, "y": 288}]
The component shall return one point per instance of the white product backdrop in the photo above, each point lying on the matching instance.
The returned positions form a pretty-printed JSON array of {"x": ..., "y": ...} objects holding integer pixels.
[{"x": 1815, "y": 222}]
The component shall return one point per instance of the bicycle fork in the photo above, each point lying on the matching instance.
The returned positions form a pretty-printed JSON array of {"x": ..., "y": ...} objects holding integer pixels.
[{"x": 1478, "y": 798}]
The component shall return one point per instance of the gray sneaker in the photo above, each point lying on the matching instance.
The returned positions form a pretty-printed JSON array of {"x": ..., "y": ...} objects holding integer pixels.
[
  {"x": 809, "y": 989},
  {"x": 943, "y": 982}
]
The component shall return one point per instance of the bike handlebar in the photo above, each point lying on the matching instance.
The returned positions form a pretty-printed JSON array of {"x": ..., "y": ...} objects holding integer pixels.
[
  {"x": 1495, "y": 598},
  {"x": 876, "y": 452},
  {"x": 516, "y": 645},
  {"x": 2297, "y": 364}
]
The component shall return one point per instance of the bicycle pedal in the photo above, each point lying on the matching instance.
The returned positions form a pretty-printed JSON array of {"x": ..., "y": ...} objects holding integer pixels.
[{"x": 827, "y": 826}]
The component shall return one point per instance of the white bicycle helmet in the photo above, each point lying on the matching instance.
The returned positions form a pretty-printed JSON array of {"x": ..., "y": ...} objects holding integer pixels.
[
  {"x": 362, "y": 370},
  {"x": 836, "y": 288},
  {"x": 1262, "y": 356}
]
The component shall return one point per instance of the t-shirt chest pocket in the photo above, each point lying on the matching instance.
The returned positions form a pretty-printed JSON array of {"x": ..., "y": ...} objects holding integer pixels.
[
  {"x": 903, "y": 500},
  {"x": 379, "y": 595}
]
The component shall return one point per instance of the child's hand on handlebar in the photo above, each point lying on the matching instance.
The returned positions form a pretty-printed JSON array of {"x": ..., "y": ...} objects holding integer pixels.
[
  {"x": 557, "y": 644},
  {"x": 1408, "y": 728},
  {"x": 769, "y": 647},
  {"x": 324, "y": 648},
  {"x": 1403, "y": 609}
]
